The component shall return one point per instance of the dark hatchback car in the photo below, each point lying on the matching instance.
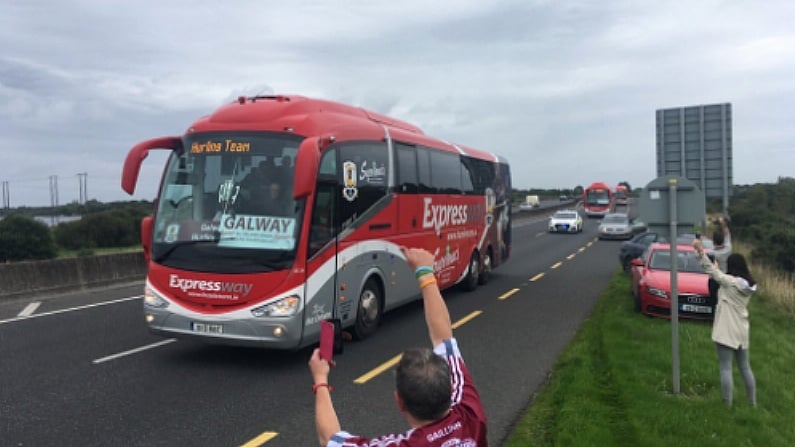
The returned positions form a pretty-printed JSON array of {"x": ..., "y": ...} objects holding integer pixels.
[{"x": 635, "y": 247}]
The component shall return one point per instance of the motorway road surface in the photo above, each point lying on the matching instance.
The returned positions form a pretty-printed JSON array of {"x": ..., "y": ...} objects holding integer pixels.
[{"x": 82, "y": 369}]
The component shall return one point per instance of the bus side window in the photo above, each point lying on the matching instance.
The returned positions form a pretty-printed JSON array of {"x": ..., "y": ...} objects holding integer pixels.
[
  {"x": 323, "y": 227},
  {"x": 424, "y": 171},
  {"x": 467, "y": 177},
  {"x": 446, "y": 172},
  {"x": 407, "y": 169}
]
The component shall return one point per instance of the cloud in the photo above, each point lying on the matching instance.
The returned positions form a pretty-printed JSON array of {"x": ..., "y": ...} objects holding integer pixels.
[{"x": 566, "y": 91}]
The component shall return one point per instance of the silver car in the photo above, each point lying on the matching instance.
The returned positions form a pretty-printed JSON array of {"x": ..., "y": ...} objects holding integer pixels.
[{"x": 615, "y": 226}]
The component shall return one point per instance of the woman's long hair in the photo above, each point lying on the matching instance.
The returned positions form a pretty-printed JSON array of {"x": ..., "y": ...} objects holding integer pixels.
[{"x": 736, "y": 266}]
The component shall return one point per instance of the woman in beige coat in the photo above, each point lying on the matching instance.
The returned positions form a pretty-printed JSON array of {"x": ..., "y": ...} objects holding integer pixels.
[{"x": 730, "y": 329}]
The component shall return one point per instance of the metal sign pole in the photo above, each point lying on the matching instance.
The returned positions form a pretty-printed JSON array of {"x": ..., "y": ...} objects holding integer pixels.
[{"x": 674, "y": 286}]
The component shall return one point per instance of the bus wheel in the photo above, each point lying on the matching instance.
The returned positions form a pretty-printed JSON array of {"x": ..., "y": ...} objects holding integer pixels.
[
  {"x": 485, "y": 275},
  {"x": 471, "y": 281},
  {"x": 369, "y": 311}
]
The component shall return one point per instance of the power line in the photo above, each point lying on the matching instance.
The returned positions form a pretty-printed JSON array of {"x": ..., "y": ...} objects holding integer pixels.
[
  {"x": 6, "y": 196},
  {"x": 53, "y": 196},
  {"x": 82, "y": 182}
]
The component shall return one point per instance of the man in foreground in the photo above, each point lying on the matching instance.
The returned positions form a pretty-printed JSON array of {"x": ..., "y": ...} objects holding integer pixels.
[{"x": 434, "y": 390}]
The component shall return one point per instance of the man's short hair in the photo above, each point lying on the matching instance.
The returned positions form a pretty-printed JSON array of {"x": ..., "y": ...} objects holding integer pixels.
[
  {"x": 423, "y": 382},
  {"x": 717, "y": 237}
]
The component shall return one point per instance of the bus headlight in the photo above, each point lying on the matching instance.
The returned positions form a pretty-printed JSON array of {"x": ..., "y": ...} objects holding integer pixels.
[
  {"x": 285, "y": 307},
  {"x": 153, "y": 299}
]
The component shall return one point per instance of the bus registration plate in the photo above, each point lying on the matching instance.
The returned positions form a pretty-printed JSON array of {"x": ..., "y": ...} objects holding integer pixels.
[
  {"x": 207, "y": 328},
  {"x": 698, "y": 309}
]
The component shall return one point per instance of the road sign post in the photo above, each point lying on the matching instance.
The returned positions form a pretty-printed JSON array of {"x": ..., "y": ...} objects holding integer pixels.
[
  {"x": 674, "y": 287},
  {"x": 682, "y": 212}
]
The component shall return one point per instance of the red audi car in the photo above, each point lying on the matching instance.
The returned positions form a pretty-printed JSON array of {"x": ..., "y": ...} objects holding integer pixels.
[{"x": 651, "y": 283}]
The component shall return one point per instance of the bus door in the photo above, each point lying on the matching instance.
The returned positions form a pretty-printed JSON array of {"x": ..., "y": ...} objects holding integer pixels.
[
  {"x": 406, "y": 187},
  {"x": 321, "y": 283},
  {"x": 367, "y": 223}
]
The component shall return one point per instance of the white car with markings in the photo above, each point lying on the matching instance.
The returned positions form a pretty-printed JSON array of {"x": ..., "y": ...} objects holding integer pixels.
[{"x": 565, "y": 221}]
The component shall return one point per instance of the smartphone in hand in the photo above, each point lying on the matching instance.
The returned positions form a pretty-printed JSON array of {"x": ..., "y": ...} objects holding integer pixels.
[{"x": 326, "y": 339}]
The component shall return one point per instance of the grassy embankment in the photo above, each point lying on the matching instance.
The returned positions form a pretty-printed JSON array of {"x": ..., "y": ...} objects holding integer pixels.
[{"x": 613, "y": 384}]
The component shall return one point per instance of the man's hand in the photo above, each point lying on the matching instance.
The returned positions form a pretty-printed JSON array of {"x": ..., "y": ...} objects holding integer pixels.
[
  {"x": 326, "y": 421},
  {"x": 417, "y": 257},
  {"x": 319, "y": 367}
]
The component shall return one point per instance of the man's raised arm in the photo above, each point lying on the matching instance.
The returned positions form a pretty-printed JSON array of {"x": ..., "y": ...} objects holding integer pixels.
[{"x": 437, "y": 317}]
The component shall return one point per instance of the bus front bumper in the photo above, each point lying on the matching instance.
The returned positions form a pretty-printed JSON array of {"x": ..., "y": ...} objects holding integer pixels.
[{"x": 276, "y": 333}]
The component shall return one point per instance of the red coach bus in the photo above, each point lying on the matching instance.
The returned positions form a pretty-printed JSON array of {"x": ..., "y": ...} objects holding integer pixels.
[
  {"x": 597, "y": 199},
  {"x": 277, "y": 212},
  {"x": 621, "y": 195}
]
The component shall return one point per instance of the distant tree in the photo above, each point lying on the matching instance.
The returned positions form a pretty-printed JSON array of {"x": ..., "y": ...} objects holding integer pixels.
[
  {"x": 118, "y": 227},
  {"x": 23, "y": 238},
  {"x": 578, "y": 190},
  {"x": 764, "y": 215}
]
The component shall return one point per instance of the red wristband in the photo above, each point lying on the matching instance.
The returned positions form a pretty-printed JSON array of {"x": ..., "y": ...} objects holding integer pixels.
[{"x": 320, "y": 385}]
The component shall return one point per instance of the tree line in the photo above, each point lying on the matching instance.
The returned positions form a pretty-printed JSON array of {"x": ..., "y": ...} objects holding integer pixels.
[
  {"x": 109, "y": 225},
  {"x": 764, "y": 216}
]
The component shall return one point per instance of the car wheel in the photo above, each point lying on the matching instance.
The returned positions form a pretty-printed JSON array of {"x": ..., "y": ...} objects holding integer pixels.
[
  {"x": 369, "y": 311},
  {"x": 485, "y": 275},
  {"x": 471, "y": 281}
]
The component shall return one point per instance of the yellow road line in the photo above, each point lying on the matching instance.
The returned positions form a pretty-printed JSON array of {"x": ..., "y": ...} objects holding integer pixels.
[
  {"x": 537, "y": 277},
  {"x": 507, "y": 294},
  {"x": 581, "y": 249},
  {"x": 364, "y": 378},
  {"x": 261, "y": 439},
  {"x": 378, "y": 370},
  {"x": 460, "y": 322},
  {"x": 571, "y": 256},
  {"x": 556, "y": 265}
]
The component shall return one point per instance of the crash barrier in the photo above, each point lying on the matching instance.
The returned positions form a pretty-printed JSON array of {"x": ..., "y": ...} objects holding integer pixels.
[
  {"x": 517, "y": 213},
  {"x": 37, "y": 278}
]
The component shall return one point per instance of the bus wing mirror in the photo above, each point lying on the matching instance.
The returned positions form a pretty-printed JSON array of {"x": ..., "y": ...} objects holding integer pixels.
[
  {"x": 307, "y": 161},
  {"x": 132, "y": 164},
  {"x": 147, "y": 225}
]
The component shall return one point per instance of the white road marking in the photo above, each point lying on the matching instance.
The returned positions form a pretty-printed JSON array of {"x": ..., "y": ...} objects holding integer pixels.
[
  {"x": 29, "y": 309},
  {"x": 133, "y": 351},
  {"x": 60, "y": 311}
]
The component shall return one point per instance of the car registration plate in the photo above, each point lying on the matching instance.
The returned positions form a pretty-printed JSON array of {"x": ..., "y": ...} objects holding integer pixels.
[
  {"x": 207, "y": 328},
  {"x": 697, "y": 309}
]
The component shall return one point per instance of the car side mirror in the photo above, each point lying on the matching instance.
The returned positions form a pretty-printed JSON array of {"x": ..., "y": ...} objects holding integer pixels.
[{"x": 637, "y": 262}]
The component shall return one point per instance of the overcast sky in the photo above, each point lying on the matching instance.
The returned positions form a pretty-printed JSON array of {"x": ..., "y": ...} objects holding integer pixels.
[{"x": 565, "y": 90}]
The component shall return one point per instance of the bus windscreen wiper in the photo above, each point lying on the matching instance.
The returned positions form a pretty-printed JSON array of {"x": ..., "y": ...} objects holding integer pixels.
[{"x": 181, "y": 244}]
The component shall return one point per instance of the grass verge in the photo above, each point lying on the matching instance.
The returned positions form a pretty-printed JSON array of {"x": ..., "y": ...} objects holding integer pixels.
[{"x": 613, "y": 384}]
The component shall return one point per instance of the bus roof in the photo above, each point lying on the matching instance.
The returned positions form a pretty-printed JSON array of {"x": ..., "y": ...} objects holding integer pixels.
[
  {"x": 598, "y": 185},
  {"x": 308, "y": 117}
]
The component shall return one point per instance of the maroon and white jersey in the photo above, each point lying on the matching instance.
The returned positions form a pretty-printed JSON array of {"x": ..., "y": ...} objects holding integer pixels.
[{"x": 464, "y": 425}]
